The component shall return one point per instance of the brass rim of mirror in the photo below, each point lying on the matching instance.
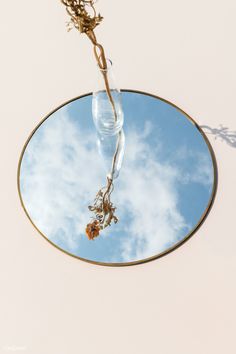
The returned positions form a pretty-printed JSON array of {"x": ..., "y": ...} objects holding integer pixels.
[{"x": 168, "y": 250}]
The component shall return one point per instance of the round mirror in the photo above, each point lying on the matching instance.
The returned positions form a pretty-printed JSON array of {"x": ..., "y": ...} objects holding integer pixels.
[{"x": 163, "y": 193}]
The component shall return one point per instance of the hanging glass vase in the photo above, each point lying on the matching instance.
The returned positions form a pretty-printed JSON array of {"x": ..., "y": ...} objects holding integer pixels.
[
  {"x": 106, "y": 103},
  {"x": 108, "y": 118}
]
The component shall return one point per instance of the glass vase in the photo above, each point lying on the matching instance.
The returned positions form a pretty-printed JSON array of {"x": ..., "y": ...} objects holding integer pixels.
[{"x": 107, "y": 109}]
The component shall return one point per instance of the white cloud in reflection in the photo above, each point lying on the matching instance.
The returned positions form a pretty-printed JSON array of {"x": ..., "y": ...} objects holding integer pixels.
[
  {"x": 147, "y": 193},
  {"x": 61, "y": 173},
  {"x": 199, "y": 169}
]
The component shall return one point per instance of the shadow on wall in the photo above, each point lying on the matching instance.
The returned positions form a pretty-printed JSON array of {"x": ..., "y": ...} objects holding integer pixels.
[{"x": 224, "y": 133}]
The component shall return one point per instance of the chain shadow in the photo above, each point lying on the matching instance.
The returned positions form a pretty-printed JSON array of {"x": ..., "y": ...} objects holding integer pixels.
[{"x": 223, "y": 133}]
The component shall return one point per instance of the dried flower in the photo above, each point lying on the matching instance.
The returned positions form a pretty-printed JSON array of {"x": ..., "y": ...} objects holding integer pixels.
[
  {"x": 80, "y": 17},
  {"x": 92, "y": 230},
  {"x": 85, "y": 22},
  {"x": 104, "y": 211}
]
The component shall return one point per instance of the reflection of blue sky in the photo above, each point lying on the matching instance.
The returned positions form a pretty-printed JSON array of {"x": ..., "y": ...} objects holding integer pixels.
[{"x": 163, "y": 189}]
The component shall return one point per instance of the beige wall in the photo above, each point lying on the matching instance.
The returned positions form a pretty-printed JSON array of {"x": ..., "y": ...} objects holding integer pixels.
[{"x": 183, "y": 303}]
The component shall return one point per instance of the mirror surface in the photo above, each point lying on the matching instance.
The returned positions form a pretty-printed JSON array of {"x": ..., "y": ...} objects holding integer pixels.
[{"x": 165, "y": 187}]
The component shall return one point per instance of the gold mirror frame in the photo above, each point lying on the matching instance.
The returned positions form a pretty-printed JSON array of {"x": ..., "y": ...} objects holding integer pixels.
[{"x": 167, "y": 251}]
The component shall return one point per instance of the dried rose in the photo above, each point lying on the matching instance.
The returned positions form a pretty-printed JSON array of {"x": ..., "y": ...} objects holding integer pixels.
[{"x": 92, "y": 230}]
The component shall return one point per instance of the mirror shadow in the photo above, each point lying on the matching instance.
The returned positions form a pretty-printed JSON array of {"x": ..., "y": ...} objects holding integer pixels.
[{"x": 222, "y": 133}]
